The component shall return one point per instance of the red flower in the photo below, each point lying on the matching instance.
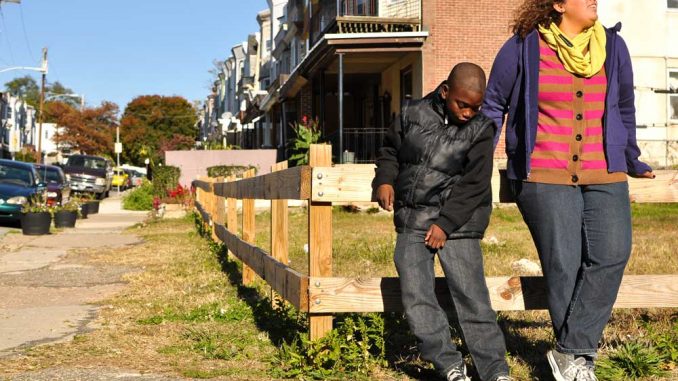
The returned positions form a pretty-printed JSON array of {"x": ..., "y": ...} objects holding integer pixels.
[{"x": 304, "y": 120}]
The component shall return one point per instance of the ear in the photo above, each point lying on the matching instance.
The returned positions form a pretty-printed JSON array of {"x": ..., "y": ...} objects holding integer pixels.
[
  {"x": 559, "y": 6},
  {"x": 444, "y": 91}
]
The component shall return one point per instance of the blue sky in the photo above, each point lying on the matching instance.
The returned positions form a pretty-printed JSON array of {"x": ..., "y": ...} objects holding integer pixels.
[{"x": 117, "y": 50}]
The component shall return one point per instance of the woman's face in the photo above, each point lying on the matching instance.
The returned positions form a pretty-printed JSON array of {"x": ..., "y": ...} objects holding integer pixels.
[{"x": 578, "y": 12}]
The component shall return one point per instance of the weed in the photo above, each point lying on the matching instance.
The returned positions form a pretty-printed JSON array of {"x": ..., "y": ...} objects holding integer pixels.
[
  {"x": 630, "y": 361},
  {"x": 355, "y": 348}
]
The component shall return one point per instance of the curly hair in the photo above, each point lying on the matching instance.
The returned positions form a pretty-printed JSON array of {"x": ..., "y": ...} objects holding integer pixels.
[{"x": 533, "y": 13}]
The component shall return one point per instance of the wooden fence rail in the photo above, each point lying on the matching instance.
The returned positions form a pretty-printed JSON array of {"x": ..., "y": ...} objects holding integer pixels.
[{"x": 319, "y": 293}]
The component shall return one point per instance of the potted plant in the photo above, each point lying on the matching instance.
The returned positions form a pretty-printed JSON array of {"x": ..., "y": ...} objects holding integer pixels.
[
  {"x": 92, "y": 203},
  {"x": 66, "y": 214},
  {"x": 82, "y": 206},
  {"x": 36, "y": 217}
]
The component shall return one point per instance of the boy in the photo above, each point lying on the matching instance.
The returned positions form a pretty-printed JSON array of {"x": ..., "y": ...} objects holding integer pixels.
[{"x": 435, "y": 170}]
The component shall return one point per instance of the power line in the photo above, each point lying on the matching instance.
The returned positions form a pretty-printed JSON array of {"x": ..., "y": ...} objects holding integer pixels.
[
  {"x": 4, "y": 27},
  {"x": 23, "y": 26}
]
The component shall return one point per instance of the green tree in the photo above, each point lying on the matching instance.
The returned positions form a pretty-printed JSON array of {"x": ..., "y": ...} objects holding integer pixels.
[
  {"x": 152, "y": 124},
  {"x": 26, "y": 87}
]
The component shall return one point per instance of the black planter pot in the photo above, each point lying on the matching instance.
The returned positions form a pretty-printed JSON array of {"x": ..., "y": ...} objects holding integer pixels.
[
  {"x": 92, "y": 207},
  {"x": 84, "y": 211},
  {"x": 65, "y": 219},
  {"x": 36, "y": 223}
]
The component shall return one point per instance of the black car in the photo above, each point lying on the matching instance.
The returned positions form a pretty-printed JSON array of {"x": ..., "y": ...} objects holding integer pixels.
[
  {"x": 58, "y": 189},
  {"x": 89, "y": 174}
]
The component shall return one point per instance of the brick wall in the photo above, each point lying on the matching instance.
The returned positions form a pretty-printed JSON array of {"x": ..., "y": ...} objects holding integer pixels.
[
  {"x": 461, "y": 30},
  {"x": 305, "y": 103}
]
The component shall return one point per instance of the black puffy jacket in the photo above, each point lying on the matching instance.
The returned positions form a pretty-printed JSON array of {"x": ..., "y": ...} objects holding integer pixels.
[{"x": 441, "y": 172}]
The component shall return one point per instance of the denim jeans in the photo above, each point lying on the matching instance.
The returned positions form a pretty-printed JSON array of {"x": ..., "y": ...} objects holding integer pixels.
[
  {"x": 462, "y": 263},
  {"x": 583, "y": 237}
]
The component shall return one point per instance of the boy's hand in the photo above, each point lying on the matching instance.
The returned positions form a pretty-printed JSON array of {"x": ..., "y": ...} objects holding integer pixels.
[
  {"x": 435, "y": 237},
  {"x": 385, "y": 196}
]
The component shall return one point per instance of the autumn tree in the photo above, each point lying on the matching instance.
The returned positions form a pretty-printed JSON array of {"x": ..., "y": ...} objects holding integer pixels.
[
  {"x": 88, "y": 131},
  {"x": 153, "y": 124}
]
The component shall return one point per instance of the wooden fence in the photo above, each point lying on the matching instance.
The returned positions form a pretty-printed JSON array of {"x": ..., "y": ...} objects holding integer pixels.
[{"x": 319, "y": 293}]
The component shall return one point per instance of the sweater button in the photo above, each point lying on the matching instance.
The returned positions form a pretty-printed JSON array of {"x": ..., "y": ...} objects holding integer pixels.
[
  {"x": 578, "y": 137},
  {"x": 575, "y": 178},
  {"x": 580, "y": 94},
  {"x": 580, "y": 117},
  {"x": 575, "y": 158}
]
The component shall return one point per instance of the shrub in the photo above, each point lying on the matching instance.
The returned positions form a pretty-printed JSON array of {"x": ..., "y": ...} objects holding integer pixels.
[
  {"x": 229, "y": 170},
  {"x": 630, "y": 361},
  {"x": 306, "y": 133},
  {"x": 165, "y": 178},
  {"x": 356, "y": 347},
  {"x": 141, "y": 198}
]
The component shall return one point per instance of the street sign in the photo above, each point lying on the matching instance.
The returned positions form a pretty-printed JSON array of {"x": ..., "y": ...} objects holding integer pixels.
[{"x": 118, "y": 147}]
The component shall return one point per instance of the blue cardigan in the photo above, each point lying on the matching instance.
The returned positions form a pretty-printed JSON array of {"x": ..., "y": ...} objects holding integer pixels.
[{"x": 513, "y": 87}]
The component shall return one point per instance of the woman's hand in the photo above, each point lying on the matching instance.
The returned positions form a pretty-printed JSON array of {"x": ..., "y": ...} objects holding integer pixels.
[
  {"x": 435, "y": 237},
  {"x": 646, "y": 175}
]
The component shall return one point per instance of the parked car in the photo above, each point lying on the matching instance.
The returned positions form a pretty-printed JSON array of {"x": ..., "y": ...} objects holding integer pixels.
[
  {"x": 89, "y": 174},
  {"x": 58, "y": 189},
  {"x": 19, "y": 184},
  {"x": 136, "y": 178},
  {"x": 120, "y": 178}
]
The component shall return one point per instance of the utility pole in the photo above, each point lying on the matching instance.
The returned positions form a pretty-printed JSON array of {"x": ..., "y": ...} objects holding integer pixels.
[{"x": 42, "y": 104}]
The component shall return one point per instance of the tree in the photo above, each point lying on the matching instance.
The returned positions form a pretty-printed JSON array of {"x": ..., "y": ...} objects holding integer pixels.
[
  {"x": 153, "y": 124},
  {"x": 26, "y": 87},
  {"x": 88, "y": 131}
]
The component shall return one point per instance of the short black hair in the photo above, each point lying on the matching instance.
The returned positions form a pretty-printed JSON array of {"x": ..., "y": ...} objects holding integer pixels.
[{"x": 468, "y": 76}]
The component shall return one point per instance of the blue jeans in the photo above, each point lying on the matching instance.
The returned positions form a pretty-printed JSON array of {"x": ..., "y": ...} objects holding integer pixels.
[
  {"x": 462, "y": 263},
  {"x": 583, "y": 237}
]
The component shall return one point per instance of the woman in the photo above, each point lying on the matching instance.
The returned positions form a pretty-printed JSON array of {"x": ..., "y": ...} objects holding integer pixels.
[{"x": 567, "y": 85}]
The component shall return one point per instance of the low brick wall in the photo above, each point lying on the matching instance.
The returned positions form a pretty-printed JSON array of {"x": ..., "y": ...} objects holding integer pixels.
[{"x": 195, "y": 163}]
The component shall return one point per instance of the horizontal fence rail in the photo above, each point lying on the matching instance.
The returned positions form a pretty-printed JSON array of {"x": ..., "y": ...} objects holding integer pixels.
[{"x": 319, "y": 293}]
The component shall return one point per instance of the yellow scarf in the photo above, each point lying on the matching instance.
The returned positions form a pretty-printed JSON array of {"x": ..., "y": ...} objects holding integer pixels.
[{"x": 570, "y": 51}]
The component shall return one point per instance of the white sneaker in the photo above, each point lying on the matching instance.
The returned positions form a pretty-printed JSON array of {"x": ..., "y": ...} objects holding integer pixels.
[
  {"x": 566, "y": 367},
  {"x": 503, "y": 378},
  {"x": 457, "y": 374}
]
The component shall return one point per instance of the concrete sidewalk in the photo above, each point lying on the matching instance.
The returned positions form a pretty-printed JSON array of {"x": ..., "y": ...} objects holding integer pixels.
[{"x": 44, "y": 295}]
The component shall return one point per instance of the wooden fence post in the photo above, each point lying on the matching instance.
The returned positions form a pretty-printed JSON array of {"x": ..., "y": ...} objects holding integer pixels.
[
  {"x": 248, "y": 230},
  {"x": 279, "y": 231},
  {"x": 320, "y": 240},
  {"x": 218, "y": 208},
  {"x": 232, "y": 215}
]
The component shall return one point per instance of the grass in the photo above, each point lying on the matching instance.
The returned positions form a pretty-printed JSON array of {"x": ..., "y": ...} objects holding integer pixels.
[{"x": 186, "y": 315}]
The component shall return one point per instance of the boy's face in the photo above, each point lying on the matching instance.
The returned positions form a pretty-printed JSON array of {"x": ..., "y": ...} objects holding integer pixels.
[{"x": 462, "y": 104}]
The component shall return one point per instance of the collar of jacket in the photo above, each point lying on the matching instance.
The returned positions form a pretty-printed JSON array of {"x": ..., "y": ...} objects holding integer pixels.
[{"x": 437, "y": 102}]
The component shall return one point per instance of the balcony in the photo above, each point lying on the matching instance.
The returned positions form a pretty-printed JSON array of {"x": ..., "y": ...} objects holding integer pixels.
[{"x": 365, "y": 16}]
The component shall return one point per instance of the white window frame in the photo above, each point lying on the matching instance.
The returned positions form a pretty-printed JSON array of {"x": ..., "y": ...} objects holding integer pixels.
[{"x": 672, "y": 84}]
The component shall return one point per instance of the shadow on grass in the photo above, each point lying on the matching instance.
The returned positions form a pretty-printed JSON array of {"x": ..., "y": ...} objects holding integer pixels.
[{"x": 283, "y": 324}]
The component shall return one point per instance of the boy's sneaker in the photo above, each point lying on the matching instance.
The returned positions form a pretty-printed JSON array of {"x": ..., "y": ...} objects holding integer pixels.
[
  {"x": 457, "y": 374},
  {"x": 590, "y": 373},
  {"x": 503, "y": 378},
  {"x": 566, "y": 367}
]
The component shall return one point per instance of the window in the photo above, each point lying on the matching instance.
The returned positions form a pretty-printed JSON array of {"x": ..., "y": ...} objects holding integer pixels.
[
  {"x": 673, "y": 95},
  {"x": 672, "y": 4}
]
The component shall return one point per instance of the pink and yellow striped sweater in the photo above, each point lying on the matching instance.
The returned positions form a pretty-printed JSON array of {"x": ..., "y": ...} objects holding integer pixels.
[{"x": 569, "y": 145}]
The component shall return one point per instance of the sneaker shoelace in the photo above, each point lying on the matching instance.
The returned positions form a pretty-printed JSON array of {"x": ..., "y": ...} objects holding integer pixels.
[{"x": 456, "y": 374}]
